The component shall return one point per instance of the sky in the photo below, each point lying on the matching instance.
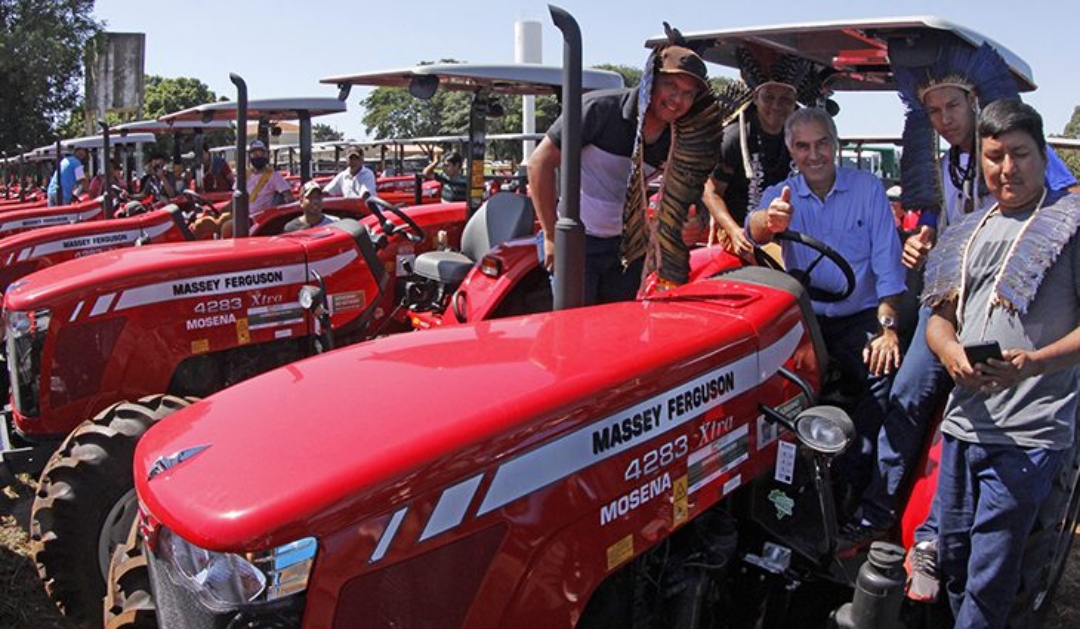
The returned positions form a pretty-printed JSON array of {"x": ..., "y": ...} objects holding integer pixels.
[{"x": 283, "y": 51}]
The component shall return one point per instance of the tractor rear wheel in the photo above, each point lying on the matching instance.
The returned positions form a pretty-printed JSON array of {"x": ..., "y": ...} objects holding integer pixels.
[
  {"x": 129, "y": 603},
  {"x": 1047, "y": 548},
  {"x": 85, "y": 503}
]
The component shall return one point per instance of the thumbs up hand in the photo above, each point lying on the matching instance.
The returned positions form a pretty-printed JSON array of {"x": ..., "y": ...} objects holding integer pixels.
[
  {"x": 778, "y": 214},
  {"x": 917, "y": 247}
]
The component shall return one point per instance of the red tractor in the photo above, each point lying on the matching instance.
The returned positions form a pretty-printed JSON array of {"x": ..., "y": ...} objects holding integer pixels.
[
  {"x": 183, "y": 320},
  {"x": 658, "y": 463}
]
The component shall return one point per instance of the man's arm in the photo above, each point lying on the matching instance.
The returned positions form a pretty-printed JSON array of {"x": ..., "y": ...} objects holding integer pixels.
[
  {"x": 713, "y": 197},
  {"x": 429, "y": 170},
  {"x": 367, "y": 179},
  {"x": 882, "y": 353},
  {"x": 942, "y": 340},
  {"x": 775, "y": 218},
  {"x": 334, "y": 188},
  {"x": 542, "y": 165}
]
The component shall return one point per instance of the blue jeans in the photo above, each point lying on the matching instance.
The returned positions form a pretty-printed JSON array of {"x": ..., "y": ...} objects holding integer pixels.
[
  {"x": 988, "y": 497},
  {"x": 845, "y": 338},
  {"x": 919, "y": 387},
  {"x": 605, "y": 279}
]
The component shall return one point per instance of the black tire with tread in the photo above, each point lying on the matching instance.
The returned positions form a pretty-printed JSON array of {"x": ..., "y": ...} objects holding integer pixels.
[
  {"x": 129, "y": 603},
  {"x": 1047, "y": 548},
  {"x": 83, "y": 481}
]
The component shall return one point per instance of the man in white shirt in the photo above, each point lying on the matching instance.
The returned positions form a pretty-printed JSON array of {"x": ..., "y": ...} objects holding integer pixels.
[{"x": 351, "y": 182}]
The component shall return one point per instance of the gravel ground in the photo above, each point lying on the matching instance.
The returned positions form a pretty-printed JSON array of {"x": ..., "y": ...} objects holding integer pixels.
[{"x": 24, "y": 605}]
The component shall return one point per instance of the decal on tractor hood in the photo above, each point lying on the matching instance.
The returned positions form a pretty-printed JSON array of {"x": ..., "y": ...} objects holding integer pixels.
[
  {"x": 92, "y": 242},
  {"x": 604, "y": 439},
  {"x": 45, "y": 221},
  {"x": 223, "y": 283},
  {"x": 576, "y": 451}
]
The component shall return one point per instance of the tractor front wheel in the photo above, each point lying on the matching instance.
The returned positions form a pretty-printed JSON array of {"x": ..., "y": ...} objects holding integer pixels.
[
  {"x": 1047, "y": 548},
  {"x": 85, "y": 504},
  {"x": 129, "y": 603}
]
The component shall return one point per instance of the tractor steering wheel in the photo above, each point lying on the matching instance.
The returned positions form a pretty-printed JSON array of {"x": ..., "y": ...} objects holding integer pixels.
[
  {"x": 803, "y": 275},
  {"x": 201, "y": 203},
  {"x": 412, "y": 231}
]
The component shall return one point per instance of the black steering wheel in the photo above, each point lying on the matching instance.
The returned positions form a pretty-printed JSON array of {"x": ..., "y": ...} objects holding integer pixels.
[
  {"x": 803, "y": 275},
  {"x": 410, "y": 229},
  {"x": 201, "y": 202}
]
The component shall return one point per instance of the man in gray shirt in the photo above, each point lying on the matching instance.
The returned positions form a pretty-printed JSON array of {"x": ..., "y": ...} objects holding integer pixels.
[{"x": 1010, "y": 274}]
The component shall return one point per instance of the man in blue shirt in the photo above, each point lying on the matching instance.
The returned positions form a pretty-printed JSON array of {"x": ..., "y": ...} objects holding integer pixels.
[
  {"x": 848, "y": 210},
  {"x": 72, "y": 174}
]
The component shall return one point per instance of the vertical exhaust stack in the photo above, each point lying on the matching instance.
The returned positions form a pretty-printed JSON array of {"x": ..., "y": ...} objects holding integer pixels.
[
  {"x": 569, "y": 232},
  {"x": 109, "y": 210},
  {"x": 241, "y": 219},
  {"x": 59, "y": 180}
]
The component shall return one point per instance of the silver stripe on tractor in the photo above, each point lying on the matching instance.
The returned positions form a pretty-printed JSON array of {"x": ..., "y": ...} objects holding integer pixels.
[
  {"x": 388, "y": 535},
  {"x": 101, "y": 306},
  {"x": 452, "y": 506},
  {"x": 573, "y": 452}
]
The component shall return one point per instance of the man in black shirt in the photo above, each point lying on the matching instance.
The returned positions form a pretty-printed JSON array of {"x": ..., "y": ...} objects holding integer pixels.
[{"x": 608, "y": 128}]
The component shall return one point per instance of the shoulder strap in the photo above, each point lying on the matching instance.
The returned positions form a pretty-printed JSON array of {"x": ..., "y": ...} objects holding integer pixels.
[{"x": 259, "y": 186}]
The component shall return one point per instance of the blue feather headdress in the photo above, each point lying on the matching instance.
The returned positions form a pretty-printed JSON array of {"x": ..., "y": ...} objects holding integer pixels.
[{"x": 979, "y": 70}]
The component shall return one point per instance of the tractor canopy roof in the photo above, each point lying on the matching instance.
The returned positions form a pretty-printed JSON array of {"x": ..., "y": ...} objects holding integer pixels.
[
  {"x": 510, "y": 78},
  {"x": 175, "y": 127},
  {"x": 91, "y": 142},
  {"x": 273, "y": 109},
  {"x": 855, "y": 54}
]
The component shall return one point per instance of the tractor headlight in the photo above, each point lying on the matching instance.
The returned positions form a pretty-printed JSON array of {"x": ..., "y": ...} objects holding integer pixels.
[
  {"x": 20, "y": 324},
  {"x": 25, "y": 338},
  {"x": 228, "y": 579},
  {"x": 825, "y": 429}
]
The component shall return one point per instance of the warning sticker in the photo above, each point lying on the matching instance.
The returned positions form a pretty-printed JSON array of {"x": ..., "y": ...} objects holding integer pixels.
[
  {"x": 243, "y": 335},
  {"x": 680, "y": 508},
  {"x": 344, "y": 302},
  {"x": 785, "y": 462},
  {"x": 200, "y": 346},
  {"x": 620, "y": 552},
  {"x": 275, "y": 315},
  {"x": 718, "y": 457}
]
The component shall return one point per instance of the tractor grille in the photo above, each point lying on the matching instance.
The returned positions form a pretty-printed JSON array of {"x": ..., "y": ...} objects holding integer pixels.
[{"x": 83, "y": 352}]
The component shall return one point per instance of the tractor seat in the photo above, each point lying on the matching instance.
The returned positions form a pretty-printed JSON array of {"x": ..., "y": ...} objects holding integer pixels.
[{"x": 502, "y": 217}]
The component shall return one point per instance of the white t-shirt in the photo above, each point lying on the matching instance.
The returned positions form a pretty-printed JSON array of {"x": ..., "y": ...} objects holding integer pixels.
[{"x": 345, "y": 184}]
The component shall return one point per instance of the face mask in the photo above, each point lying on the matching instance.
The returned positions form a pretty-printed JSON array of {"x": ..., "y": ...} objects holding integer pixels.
[{"x": 259, "y": 162}]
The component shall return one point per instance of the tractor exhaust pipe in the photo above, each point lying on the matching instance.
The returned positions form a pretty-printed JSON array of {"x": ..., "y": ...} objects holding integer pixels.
[
  {"x": 241, "y": 220},
  {"x": 569, "y": 232},
  {"x": 108, "y": 168}
]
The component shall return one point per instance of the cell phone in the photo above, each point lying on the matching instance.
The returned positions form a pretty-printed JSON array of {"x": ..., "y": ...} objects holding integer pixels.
[{"x": 982, "y": 352}]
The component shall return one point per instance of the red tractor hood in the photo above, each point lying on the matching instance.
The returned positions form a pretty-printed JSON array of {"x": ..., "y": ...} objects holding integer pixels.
[
  {"x": 325, "y": 442},
  {"x": 141, "y": 267}
]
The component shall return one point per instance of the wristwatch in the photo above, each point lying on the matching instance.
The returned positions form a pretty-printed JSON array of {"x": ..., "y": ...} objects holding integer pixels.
[{"x": 886, "y": 322}]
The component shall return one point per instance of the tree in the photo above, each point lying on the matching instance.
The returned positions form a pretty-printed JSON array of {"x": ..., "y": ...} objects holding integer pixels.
[
  {"x": 167, "y": 95},
  {"x": 322, "y": 132},
  {"x": 391, "y": 112},
  {"x": 42, "y": 46},
  {"x": 1071, "y": 157},
  {"x": 631, "y": 75}
]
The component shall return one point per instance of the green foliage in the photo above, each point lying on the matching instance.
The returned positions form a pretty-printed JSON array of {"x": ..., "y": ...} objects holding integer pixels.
[
  {"x": 42, "y": 49},
  {"x": 167, "y": 95},
  {"x": 1071, "y": 157},
  {"x": 631, "y": 75},
  {"x": 322, "y": 132}
]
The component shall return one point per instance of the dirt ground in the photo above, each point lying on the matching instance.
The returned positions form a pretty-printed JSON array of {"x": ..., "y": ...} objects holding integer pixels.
[{"x": 24, "y": 605}]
